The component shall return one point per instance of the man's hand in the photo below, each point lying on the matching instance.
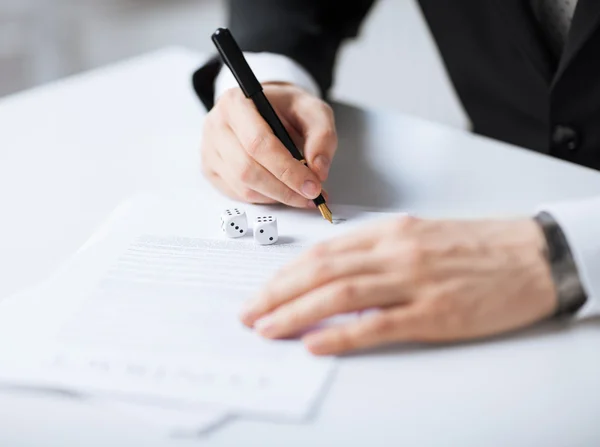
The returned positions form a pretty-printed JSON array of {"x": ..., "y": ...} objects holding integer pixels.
[
  {"x": 242, "y": 157},
  {"x": 431, "y": 281}
]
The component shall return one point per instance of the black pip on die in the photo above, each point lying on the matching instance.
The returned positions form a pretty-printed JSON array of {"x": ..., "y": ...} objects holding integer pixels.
[
  {"x": 234, "y": 222},
  {"x": 265, "y": 230}
]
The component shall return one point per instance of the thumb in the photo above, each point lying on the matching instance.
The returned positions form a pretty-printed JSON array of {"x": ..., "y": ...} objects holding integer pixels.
[{"x": 315, "y": 121}]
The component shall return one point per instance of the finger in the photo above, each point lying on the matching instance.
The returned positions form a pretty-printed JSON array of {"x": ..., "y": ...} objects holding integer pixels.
[
  {"x": 212, "y": 164},
  {"x": 307, "y": 116},
  {"x": 331, "y": 253},
  {"x": 364, "y": 238},
  {"x": 250, "y": 180},
  {"x": 294, "y": 133},
  {"x": 293, "y": 283},
  {"x": 222, "y": 186},
  {"x": 398, "y": 324},
  {"x": 315, "y": 120},
  {"x": 340, "y": 297},
  {"x": 262, "y": 145},
  {"x": 299, "y": 141}
]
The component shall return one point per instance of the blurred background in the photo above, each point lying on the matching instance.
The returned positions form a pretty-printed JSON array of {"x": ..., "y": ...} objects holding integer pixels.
[{"x": 45, "y": 40}]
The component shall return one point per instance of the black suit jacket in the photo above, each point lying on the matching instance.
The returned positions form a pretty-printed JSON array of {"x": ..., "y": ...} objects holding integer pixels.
[{"x": 509, "y": 82}]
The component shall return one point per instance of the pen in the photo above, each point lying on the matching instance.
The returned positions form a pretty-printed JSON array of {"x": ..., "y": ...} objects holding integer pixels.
[{"x": 232, "y": 56}]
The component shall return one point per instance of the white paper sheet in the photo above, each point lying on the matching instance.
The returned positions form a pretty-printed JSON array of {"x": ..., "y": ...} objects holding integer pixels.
[
  {"x": 170, "y": 421},
  {"x": 150, "y": 309},
  {"x": 174, "y": 420}
]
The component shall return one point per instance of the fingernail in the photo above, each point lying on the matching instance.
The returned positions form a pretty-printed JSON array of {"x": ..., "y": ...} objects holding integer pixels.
[
  {"x": 265, "y": 326},
  {"x": 310, "y": 189},
  {"x": 323, "y": 164}
]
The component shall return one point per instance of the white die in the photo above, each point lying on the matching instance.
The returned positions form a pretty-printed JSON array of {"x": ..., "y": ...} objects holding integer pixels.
[
  {"x": 234, "y": 222},
  {"x": 265, "y": 230}
]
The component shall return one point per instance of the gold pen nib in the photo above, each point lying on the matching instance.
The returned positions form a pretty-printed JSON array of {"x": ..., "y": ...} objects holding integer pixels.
[{"x": 326, "y": 212}]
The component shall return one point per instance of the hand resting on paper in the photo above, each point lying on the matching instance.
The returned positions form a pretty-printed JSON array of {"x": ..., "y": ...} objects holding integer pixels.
[
  {"x": 243, "y": 159},
  {"x": 432, "y": 281}
]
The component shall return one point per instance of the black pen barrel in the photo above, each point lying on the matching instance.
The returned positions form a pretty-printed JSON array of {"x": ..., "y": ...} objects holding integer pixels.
[
  {"x": 265, "y": 109},
  {"x": 233, "y": 57}
]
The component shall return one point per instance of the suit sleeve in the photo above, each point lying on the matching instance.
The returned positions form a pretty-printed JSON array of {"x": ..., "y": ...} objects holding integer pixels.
[{"x": 310, "y": 32}]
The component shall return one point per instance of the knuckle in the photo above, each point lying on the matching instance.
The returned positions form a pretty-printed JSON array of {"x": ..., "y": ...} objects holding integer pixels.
[
  {"x": 209, "y": 120},
  {"x": 258, "y": 144},
  {"x": 248, "y": 195},
  {"x": 322, "y": 271},
  {"x": 344, "y": 295},
  {"x": 382, "y": 325},
  {"x": 219, "y": 122},
  {"x": 215, "y": 119},
  {"x": 388, "y": 255},
  {"x": 286, "y": 174},
  {"x": 327, "y": 133},
  {"x": 247, "y": 174},
  {"x": 405, "y": 224},
  {"x": 318, "y": 252},
  {"x": 230, "y": 95},
  {"x": 328, "y": 109},
  {"x": 415, "y": 260},
  {"x": 415, "y": 252}
]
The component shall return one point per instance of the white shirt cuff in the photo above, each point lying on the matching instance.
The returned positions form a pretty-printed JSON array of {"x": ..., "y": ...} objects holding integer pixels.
[
  {"x": 580, "y": 222},
  {"x": 269, "y": 67}
]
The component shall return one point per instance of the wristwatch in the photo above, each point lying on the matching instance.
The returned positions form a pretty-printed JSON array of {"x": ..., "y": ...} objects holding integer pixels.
[{"x": 569, "y": 289}]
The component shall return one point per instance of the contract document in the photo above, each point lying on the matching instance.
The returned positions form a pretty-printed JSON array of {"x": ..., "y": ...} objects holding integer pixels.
[{"x": 148, "y": 310}]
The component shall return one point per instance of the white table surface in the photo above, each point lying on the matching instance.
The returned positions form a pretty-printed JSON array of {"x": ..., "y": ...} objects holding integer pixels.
[{"x": 71, "y": 151}]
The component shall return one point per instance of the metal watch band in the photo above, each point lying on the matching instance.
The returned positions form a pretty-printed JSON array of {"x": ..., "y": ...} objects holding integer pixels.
[{"x": 569, "y": 289}]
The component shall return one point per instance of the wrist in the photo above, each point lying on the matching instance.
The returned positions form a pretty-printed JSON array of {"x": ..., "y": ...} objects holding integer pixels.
[
  {"x": 535, "y": 236},
  {"x": 524, "y": 234}
]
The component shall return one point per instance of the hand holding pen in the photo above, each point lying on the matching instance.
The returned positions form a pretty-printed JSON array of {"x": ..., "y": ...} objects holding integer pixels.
[{"x": 242, "y": 156}]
